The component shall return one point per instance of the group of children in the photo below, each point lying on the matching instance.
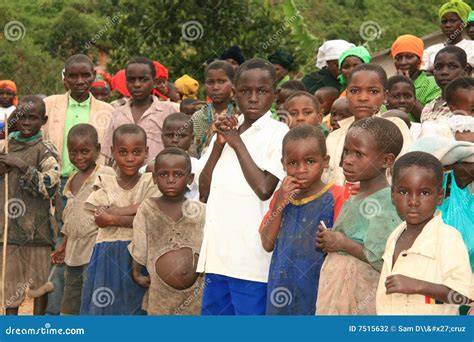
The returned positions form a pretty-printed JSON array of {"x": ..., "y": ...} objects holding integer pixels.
[{"x": 333, "y": 204}]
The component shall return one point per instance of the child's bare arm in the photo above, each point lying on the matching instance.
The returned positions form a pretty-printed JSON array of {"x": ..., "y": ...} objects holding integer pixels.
[
  {"x": 130, "y": 210},
  {"x": 398, "y": 283},
  {"x": 139, "y": 278},
  {"x": 330, "y": 242},
  {"x": 263, "y": 183},
  {"x": 271, "y": 226},
  {"x": 105, "y": 219},
  {"x": 206, "y": 174}
]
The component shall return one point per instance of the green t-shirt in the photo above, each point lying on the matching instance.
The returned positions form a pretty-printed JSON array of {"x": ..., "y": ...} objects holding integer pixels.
[
  {"x": 77, "y": 113},
  {"x": 369, "y": 222}
]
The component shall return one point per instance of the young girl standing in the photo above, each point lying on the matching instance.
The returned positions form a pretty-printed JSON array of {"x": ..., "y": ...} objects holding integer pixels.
[{"x": 109, "y": 288}]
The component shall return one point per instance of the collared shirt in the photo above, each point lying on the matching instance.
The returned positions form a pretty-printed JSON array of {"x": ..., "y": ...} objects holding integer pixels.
[
  {"x": 436, "y": 110},
  {"x": 79, "y": 223},
  {"x": 77, "y": 113},
  {"x": 438, "y": 255},
  {"x": 151, "y": 121},
  {"x": 430, "y": 53},
  {"x": 231, "y": 244}
]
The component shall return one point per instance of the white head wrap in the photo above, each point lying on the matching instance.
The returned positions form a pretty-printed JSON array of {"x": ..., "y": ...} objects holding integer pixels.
[{"x": 331, "y": 50}]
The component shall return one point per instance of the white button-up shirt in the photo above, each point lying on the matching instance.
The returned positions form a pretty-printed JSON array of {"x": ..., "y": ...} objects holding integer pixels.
[
  {"x": 438, "y": 256},
  {"x": 231, "y": 244}
]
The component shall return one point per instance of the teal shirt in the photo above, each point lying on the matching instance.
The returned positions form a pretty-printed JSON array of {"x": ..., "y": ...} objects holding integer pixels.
[
  {"x": 369, "y": 222},
  {"x": 77, "y": 113}
]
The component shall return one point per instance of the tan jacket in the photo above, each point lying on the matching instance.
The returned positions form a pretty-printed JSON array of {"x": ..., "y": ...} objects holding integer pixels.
[{"x": 56, "y": 109}]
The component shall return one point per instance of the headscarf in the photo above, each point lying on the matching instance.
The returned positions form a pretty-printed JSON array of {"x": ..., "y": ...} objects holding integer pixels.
[
  {"x": 455, "y": 6},
  {"x": 331, "y": 50},
  {"x": 187, "y": 86},
  {"x": 470, "y": 18},
  {"x": 283, "y": 58},
  {"x": 233, "y": 53},
  {"x": 12, "y": 86},
  {"x": 101, "y": 80},
  {"x": 357, "y": 51},
  {"x": 409, "y": 44}
]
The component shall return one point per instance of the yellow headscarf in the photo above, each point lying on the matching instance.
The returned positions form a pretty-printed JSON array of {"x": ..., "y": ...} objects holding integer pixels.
[
  {"x": 455, "y": 6},
  {"x": 187, "y": 86}
]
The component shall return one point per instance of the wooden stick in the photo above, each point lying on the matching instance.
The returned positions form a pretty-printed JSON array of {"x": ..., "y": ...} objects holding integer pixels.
[{"x": 5, "y": 226}]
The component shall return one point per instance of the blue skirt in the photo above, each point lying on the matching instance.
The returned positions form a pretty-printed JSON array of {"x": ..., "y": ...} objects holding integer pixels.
[{"x": 109, "y": 288}]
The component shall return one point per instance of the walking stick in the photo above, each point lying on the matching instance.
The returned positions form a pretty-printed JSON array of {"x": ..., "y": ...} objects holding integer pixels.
[{"x": 5, "y": 226}]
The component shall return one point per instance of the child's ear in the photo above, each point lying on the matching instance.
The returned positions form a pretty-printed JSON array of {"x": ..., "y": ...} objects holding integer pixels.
[
  {"x": 146, "y": 152},
  {"x": 326, "y": 161},
  {"x": 190, "y": 178},
  {"x": 97, "y": 148},
  {"x": 385, "y": 96},
  {"x": 468, "y": 69},
  {"x": 392, "y": 192},
  {"x": 388, "y": 160},
  {"x": 440, "y": 196},
  {"x": 45, "y": 120},
  {"x": 451, "y": 108},
  {"x": 283, "y": 164}
]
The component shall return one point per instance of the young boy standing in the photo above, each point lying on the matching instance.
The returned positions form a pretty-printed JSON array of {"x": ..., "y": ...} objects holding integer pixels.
[
  {"x": 33, "y": 170},
  {"x": 242, "y": 171},
  {"x": 426, "y": 269}
]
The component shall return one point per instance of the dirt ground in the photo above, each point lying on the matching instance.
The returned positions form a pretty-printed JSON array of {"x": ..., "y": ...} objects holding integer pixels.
[{"x": 26, "y": 309}]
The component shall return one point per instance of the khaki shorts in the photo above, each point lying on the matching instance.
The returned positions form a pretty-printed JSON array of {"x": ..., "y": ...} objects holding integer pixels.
[{"x": 27, "y": 268}]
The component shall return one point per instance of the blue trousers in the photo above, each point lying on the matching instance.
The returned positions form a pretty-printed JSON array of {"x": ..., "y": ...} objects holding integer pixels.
[{"x": 231, "y": 296}]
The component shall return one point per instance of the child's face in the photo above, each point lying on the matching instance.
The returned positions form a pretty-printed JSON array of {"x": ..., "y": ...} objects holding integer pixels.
[
  {"x": 401, "y": 97},
  {"x": 361, "y": 159},
  {"x": 173, "y": 93},
  {"x": 129, "y": 152},
  {"x": 281, "y": 95},
  {"x": 408, "y": 63},
  {"x": 325, "y": 102},
  {"x": 30, "y": 120},
  {"x": 78, "y": 78},
  {"x": 280, "y": 71},
  {"x": 172, "y": 175},
  {"x": 82, "y": 152},
  {"x": 255, "y": 93},
  {"x": 348, "y": 64},
  {"x": 177, "y": 134},
  {"x": 303, "y": 160},
  {"x": 463, "y": 102},
  {"x": 415, "y": 194},
  {"x": 339, "y": 111},
  {"x": 447, "y": 68},
  {"x": 218, "y": 86},
  {"x": 140, "y": 81},
  {"x": 100, "y": 93},
  {"x": 6, "y": 97},
  {"x": 365, "y": 94},
  {"x": 450, "y": 23},
  {"x": 302, "y": 111},
  {"x": 470, "y": 30},
  {"x": 161, "y": 84}
]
